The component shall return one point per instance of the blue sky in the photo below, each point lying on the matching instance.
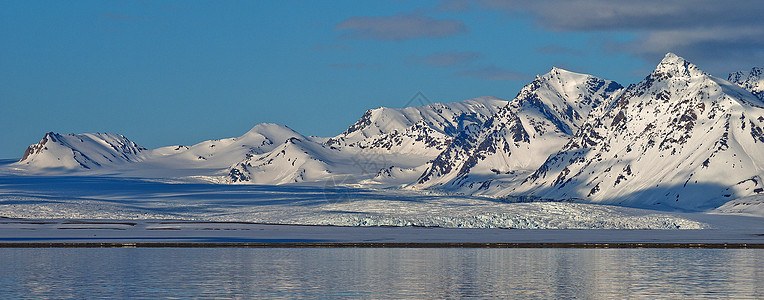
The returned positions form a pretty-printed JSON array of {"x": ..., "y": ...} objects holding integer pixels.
[{"x": 179, "y": 72}]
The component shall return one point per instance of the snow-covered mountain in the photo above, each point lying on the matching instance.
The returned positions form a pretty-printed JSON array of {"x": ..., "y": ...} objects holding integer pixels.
[
  {"x": 222, "y": 153},
  {"x": 296, "y": 160},
  {"x": 385, "y": 145},
  {"x": 680, "y": 138},
  {"x": 752, "y": 81},
  {"x": 425, "y": 130},
  {"x": 80, "y": 151},
  {"x": 522, "y": 134},
  {"x": 103, "y": 152}
]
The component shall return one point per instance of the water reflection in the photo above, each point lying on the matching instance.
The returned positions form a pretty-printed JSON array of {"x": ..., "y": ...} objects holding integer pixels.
[{"x": 378, "y": 273}]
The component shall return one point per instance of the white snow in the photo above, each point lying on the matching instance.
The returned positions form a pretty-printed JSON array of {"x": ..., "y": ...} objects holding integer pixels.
[
  {"x": 751, "y": 205},
  {"x": 81, "y": 151},
  {"x": 681, "y": 140},
  {"x": 521, "y": 135},
  {"x": 70, "y": 197},
  {"x": 752, "y": 81}
]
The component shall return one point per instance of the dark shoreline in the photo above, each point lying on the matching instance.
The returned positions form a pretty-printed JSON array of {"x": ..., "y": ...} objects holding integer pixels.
[{"x": 390, "y": 245}]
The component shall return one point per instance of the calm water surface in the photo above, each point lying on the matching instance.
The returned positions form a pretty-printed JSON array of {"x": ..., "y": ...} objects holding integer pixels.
[{"x": 381, "y": 273}]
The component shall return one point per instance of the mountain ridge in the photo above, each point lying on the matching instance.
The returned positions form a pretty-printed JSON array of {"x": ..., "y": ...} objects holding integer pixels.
[
  {"x": 542, "y": 117},
  {"x": 680, "y": 135},
  {"x": 679, "y": 139},
  {"x": 87, "y": 151},
  {"x": 752, "y": 81}
]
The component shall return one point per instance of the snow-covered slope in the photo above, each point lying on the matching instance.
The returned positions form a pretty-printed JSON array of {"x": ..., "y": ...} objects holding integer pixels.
[
  {"x": 751, "y": 205},
  {"x": 522, "y": 134},
  {"x": 678, "y": 139},
  {"x": 296, "y": 160},
  {"x": 71, "y": 197},
  {"x": 80, "y": 151},
  {"x": 386, "y": 146},
  {"x": 751, "y": 81},
  {"x": 114, "y": 154},
  {"x": 425, "y": 130},
  {"x": 222, "y": 153},
  {"x": 300, "y": 159}
]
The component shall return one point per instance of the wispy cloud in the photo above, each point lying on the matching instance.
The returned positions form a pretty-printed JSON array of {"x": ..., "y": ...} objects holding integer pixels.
[
  {"x": 594, "y": 15},
  {"x": 492, "y": 73},
  {"x": 727, "y": 34},
  {"x": 454, "y": 5},
  {"x": 446, "y": 59},
  {"x": 720, "y": 49},
  {"x": 400, "y": 27}
]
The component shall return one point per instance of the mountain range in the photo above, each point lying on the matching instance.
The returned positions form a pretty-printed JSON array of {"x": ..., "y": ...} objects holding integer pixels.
[{"x": 680, "y": 139}]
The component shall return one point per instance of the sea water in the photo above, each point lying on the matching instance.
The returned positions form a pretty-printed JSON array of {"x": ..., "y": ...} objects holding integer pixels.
[{"x": 380, "y": 273}]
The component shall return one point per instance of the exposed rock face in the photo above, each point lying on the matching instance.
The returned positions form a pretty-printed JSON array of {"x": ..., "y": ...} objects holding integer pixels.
[
  {"x": 296, "y": 160},
  {"x": 36, "y": 148},
  {"x": 522, "y": 134},
  {"x": 81, "y": 151},
  {"x": 222, "y": 153},
  {"x": 385, "y": 145},
  {"x": 680, "y": 138},
  {"x": 425, "y": 130},
  {"x": 752, "y": 81}
]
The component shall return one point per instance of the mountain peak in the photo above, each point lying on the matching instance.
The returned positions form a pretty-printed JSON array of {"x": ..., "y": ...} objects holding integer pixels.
[
  {"x": 740, "y": 76},
  {"x": 274, "y": 132},
  {"x": 752, "y": 81},
  {"x": 558, "y": 71},
  {"x": 81, "y": 151},
  {"x": 671, "y": 57},
  {"x": 673, "y": 65},
  {"x": 267, "y": 126}
]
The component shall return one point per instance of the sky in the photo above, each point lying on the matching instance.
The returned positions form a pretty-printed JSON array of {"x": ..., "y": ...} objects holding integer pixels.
[{"x": 179, "y": 72}]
